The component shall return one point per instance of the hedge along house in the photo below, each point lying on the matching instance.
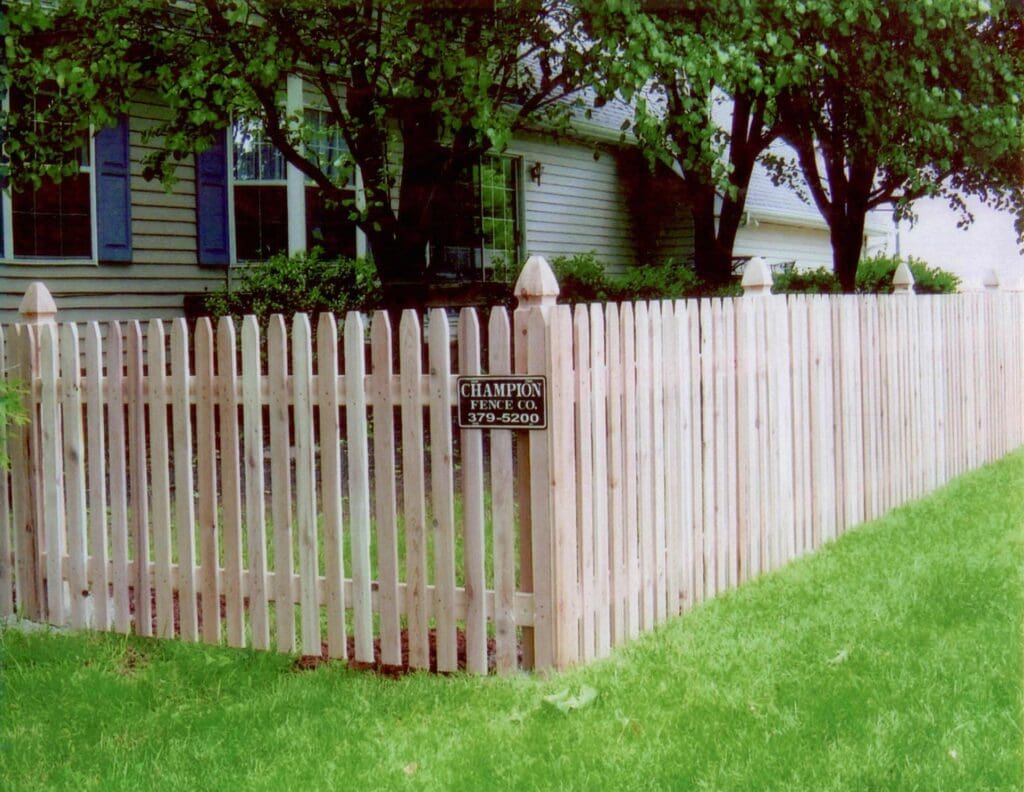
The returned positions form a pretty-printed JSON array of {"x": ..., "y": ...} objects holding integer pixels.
[{"x": 110, "y": 244}]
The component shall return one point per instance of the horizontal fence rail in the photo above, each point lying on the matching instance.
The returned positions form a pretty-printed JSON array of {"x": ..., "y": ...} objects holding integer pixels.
[{"x": 310, "y": 492}]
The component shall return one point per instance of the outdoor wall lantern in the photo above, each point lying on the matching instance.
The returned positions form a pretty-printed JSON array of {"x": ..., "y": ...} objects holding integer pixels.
[{"x": 535, "y": 172}]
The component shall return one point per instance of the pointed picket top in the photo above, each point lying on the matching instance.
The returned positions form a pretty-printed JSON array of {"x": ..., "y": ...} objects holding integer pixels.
[
  {"x": 37, "y": 306},
  {"x": 757, "y": 278},
  {"x": 991, "y": 281},
  {"x": 903, "y": 279},
  {"x": 537, "y": 285}
]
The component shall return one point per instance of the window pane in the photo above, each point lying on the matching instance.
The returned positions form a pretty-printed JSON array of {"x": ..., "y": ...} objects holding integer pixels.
[
  {"x": 477, "y": 223},
  {"x": 261, "y": 221},
  {"x": 256, "y": 159},
  {"x": 54, "y": 220},
  {"x": 326, "y": 146}
]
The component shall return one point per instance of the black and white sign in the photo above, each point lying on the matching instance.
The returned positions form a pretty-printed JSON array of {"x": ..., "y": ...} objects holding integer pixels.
[{"x": 502, "y": 402}]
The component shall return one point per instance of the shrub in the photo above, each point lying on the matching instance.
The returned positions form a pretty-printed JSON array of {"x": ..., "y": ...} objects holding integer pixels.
[
  {"x": 670, "y": 280},
  {"x": 303, "y": 283},
  {"x": 581, "y": 278},
  {"x": 874, "y": 276},
  {"x": 12, "y": 413},
  {"x": 788, "y": 279}
]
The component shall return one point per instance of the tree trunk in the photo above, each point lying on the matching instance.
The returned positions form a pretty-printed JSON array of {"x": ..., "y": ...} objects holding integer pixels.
[
  {"x": 397, "y": 258},
  {"x": 847, "y": 236},
  {"x": 712, "y": 262}
]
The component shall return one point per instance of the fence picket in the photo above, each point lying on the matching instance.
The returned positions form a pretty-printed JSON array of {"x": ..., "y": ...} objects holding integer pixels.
[
  {"x": 728, "y": 546},
  {"x": 281, "y": 482},
  {"x": 118, "y": 476},
  {"x": 800, "y": 333},
  {"x": 330, "y": 483},
  {"x": 471, "y": 442},
  {"x": 206, "y": 482},
  {"x": 359, "y": 485},
  {"x": 138, "y": 486},
  {"x": 255, "y": 507},
  {"x": 584, "y": 479},
  {"x": 630, "y": 470},
  {"x": 670, "y": 460},
  {"x": 600, "y": 492},
  {"x": 230, "y": 481},
  {"x": 385, "y": 492},
  {"x": 305, "y": 484},
  {"x": 502, "y": 505},
  {"x": 54, "y": 530},
  {"x": 746, "y": 424},
  {"x": 96, "y": 456},
  {"x": 561, "y": 478},
  {"x": 160, "y": 478},
  {"x": 414, "y": 490},
  {"x": 77, "y": 572},
  {"x": 695, "y": 539},
  {"x": 645, "y": 464},
  {"x": 537, "y": 362},
  {"x": 684, "y": 479},
  {"x": 781, "y": 364},
  {"x": 442, "y": 489},
  {"x": 618, "y": 588},
  {"x": 184, "y": 481},
  {"x": 822, "y": 438},
  {"x": 7, "y": 555},
  {"x": 658, "y": 461},
  {"x": 524, "y": 481}
]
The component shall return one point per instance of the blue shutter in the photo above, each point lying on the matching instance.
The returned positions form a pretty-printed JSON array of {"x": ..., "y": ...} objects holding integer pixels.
[
  {"x": 212, "y": 204},
  {"x": 113, "y": 193}
]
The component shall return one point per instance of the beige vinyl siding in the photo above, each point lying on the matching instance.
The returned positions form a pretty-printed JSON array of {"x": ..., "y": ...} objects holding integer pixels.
[
  {"x": 164, "y": 267},
  {"x": 581, "y": 204}
]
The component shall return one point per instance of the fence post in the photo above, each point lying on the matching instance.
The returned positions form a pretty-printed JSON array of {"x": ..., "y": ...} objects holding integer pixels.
[
  {"x": 536, "y": 291},
  {"x": 38, "y": 310},
  {"x": 903, "y": 280},
  {"x": 757, "y": 278},
  {"x": 992, "y": 282}
]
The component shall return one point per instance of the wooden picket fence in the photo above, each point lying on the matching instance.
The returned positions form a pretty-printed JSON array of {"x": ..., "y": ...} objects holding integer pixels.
[{"x": 302, "y": 492}]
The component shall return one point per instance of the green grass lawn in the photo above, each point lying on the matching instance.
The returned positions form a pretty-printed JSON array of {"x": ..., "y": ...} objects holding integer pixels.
[{"x": 890, "y": 660}]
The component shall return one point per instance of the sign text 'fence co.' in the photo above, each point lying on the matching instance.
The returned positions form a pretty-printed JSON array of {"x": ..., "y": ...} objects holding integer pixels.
[{"x": 502, "y": 402}]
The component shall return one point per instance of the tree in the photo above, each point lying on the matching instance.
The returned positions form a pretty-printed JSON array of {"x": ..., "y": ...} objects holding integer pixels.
[
  {"x": 704, "y": 76},
  {"x": 904, "y": 99},
  {"x": 432, "y": 84}
]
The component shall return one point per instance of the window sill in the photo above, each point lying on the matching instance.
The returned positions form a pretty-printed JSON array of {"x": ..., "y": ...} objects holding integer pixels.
[{"x": 49, "y": 262}]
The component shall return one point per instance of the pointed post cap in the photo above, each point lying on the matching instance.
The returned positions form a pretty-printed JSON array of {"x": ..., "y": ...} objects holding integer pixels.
[
  {"x": 903, "y": 279},
  {"x": 37, "y": 306},
  {"x": 757, "y": 278},
  {"x": 537, "y": 285},
  {"x": 992, "y": 281}
]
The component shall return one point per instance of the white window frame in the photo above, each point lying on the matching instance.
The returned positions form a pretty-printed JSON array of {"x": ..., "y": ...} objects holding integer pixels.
[
  {"x": 295, "y": 183},
  {"x": 7, "y": 254},
  {"x": 518, "y": 161}
]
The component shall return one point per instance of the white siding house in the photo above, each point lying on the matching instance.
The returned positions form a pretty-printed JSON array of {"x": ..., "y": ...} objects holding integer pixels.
[
  {"x": 780, "y": 226},
  {"x": 590, "y": 193}
]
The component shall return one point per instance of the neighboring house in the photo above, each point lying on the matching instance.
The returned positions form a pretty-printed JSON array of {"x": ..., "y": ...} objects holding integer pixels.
[
  {"x": 782, "y": 227},
  {"x": 110, "y": 244}
]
